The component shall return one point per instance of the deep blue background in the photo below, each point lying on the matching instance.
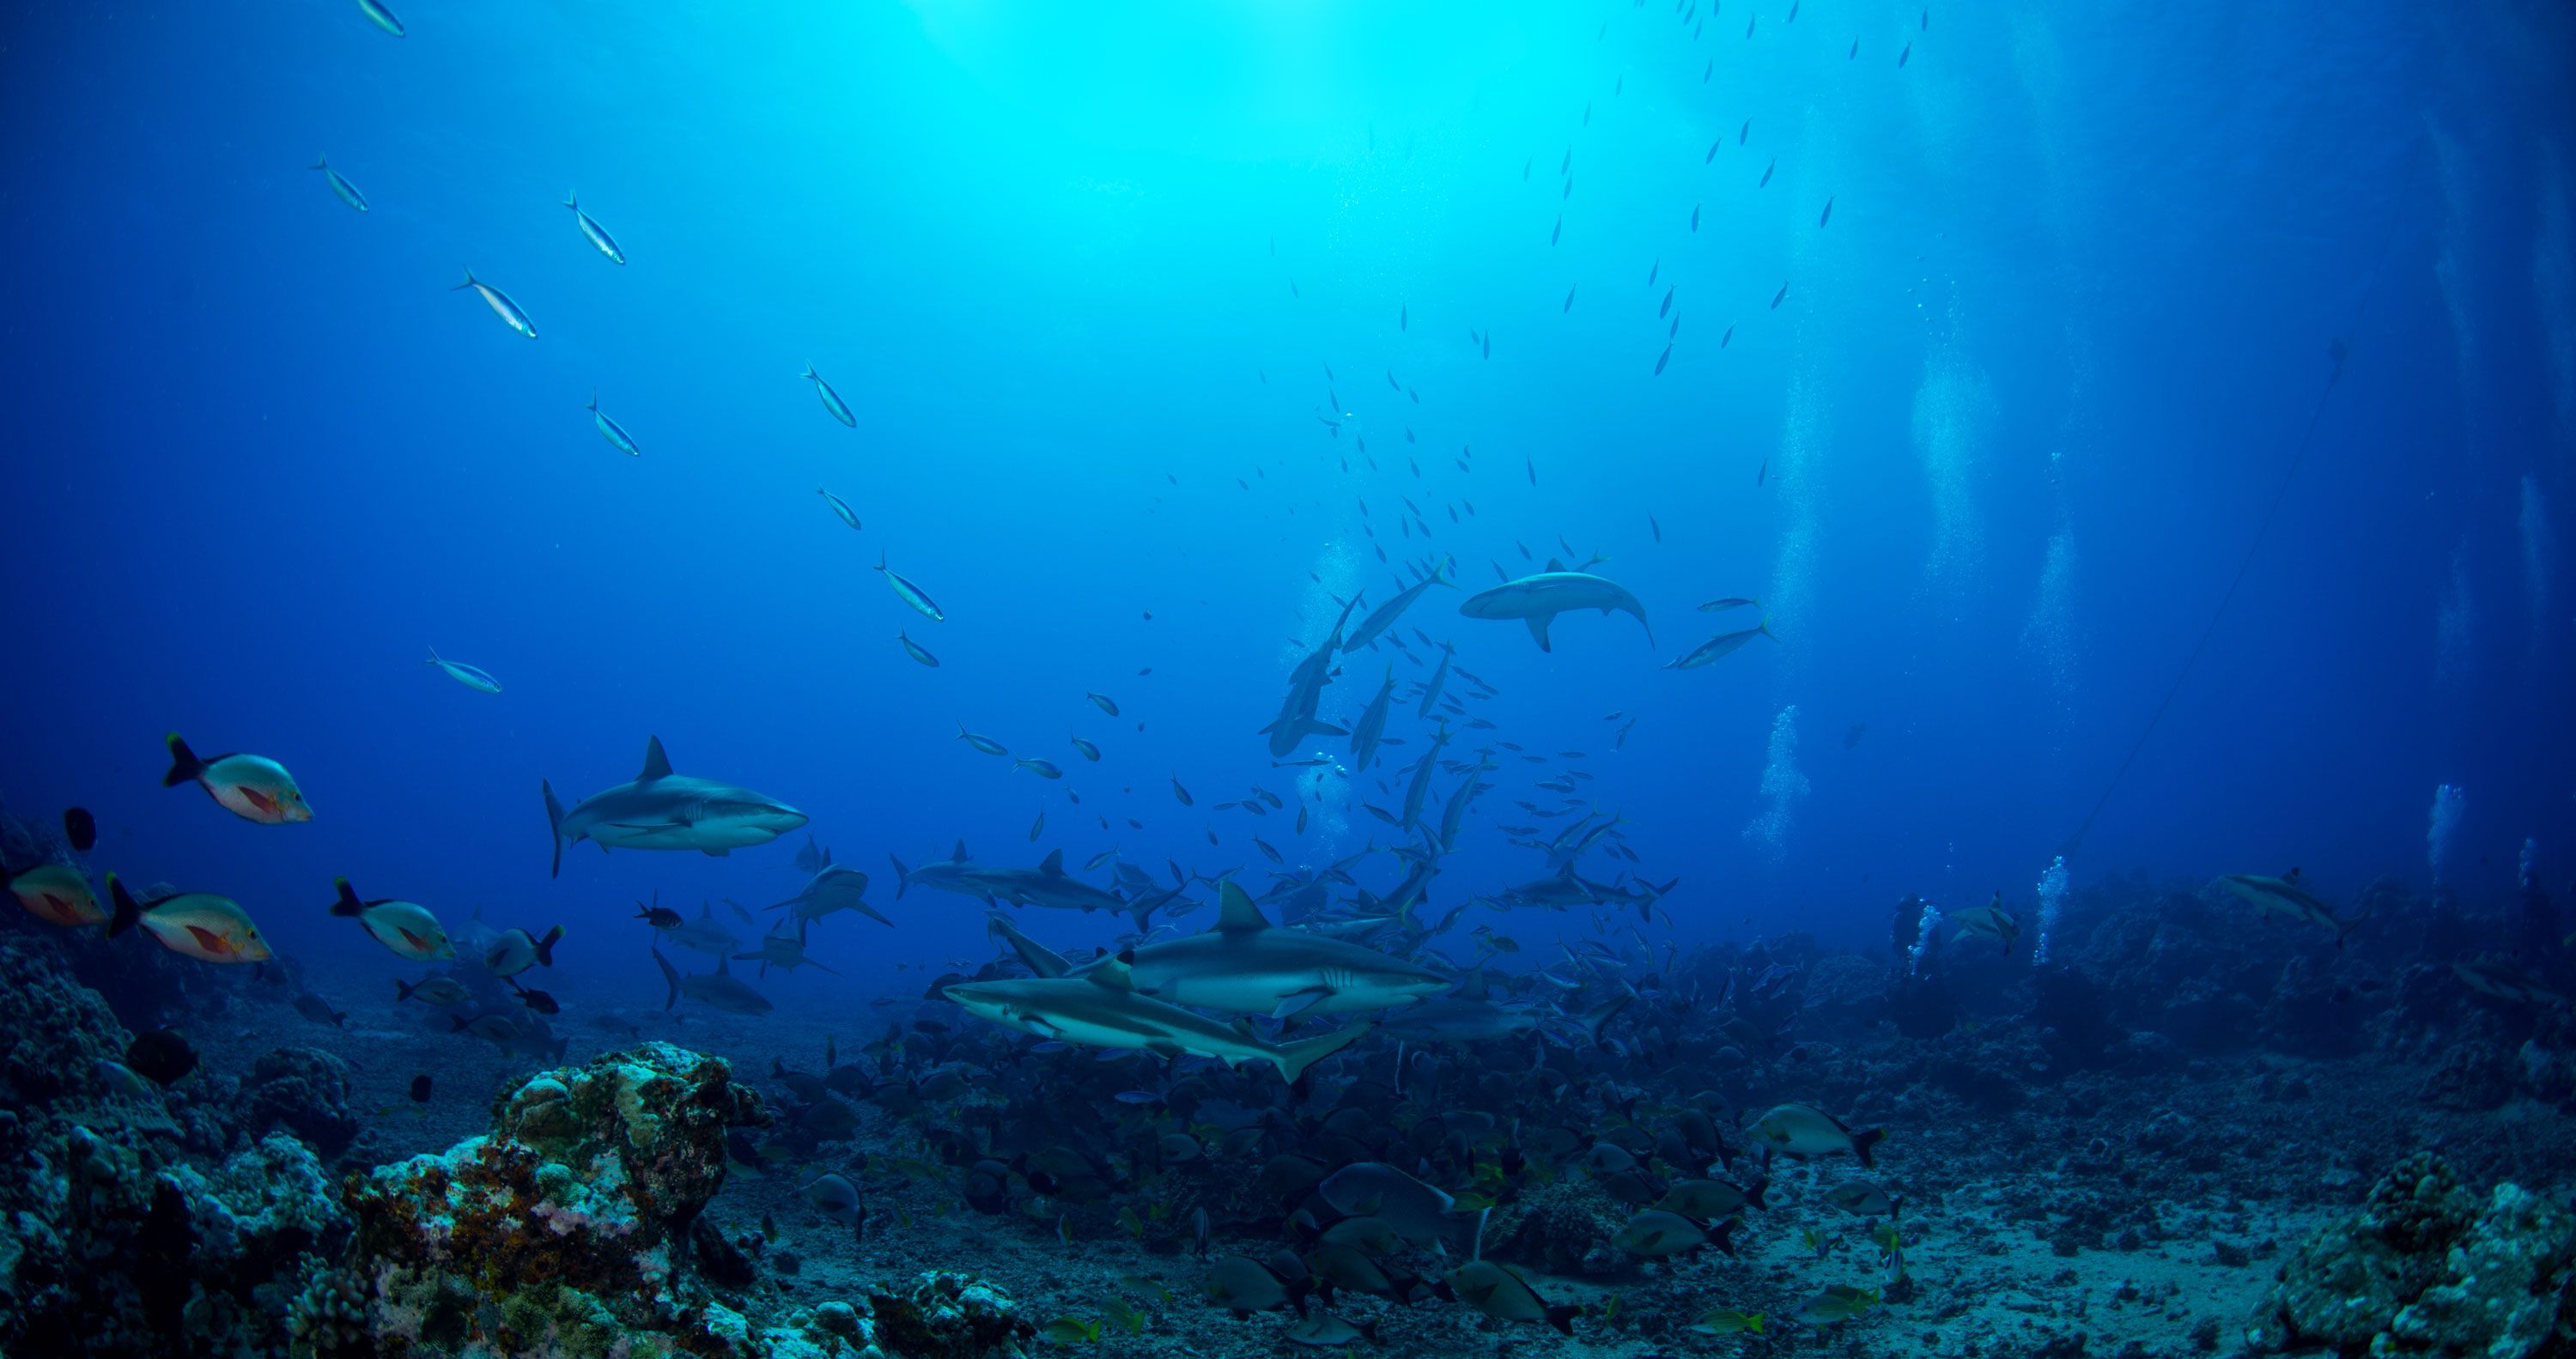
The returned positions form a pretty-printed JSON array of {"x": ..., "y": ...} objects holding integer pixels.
[{"x": 2078, "y": 287}]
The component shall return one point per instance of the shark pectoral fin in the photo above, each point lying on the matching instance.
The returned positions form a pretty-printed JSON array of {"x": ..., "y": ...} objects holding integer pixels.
[
  {"x": 1538, "y": 629},
  {"x": 1298, "y": 1002},
  {"x": 717, "y": 853},
  {"x": 1168, "y": 1051}
]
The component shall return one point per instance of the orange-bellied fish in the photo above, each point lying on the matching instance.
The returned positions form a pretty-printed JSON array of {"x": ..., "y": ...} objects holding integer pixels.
[
  {"x": 199, "y": 924},
  {"x": 407, "y": 928},
  {"x": 252, "y": 787}
]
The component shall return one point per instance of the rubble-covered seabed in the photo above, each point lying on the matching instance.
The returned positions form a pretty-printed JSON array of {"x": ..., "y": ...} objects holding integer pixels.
[{"x": 2188, "y": 1137}]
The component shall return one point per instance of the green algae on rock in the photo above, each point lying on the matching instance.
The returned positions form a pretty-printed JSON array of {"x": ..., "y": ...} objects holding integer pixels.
[{"x": 2423, "y": 1269}]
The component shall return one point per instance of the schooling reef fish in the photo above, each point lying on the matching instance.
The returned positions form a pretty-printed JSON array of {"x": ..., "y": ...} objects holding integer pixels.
[{"x": 252, "y": 787}]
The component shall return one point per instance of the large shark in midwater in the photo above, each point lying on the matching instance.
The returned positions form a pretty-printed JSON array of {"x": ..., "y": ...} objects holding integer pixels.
[
  {"x": 1102, "y": 1009},
  {"x": 1245, "y": 966},
  {"x": 1537, "y": 600},
  {"x": 663, "y": 810},
  {"x": 1045, "y": 885},
  {"x": 719, "y": 988},
  {"x": 1297, "y": 720}
]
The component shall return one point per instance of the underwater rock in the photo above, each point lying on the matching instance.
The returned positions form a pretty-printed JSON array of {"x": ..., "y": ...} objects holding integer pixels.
[
  {"x": 1568, "y": 1225},
  {"x": 949, "y": 1316},
  {"x": 2423, "y": 1269},
  {"x": 59, "y": 1031},
  {"x": 117, "y": 1243},
  {"x": 568, "y": 1225},
  {"x": 304, "y": 1091}
]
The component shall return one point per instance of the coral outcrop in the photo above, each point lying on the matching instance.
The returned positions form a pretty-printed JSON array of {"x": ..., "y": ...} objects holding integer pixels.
[
  {"x": 116, "y": 1241},
  {"x": 304, "y": 1091},
  {"x": 947, "y": 1316},
  {"x": 1566, "y": 1225},
  {"x": 2424, "y": 1268},
  {"x": 568, "y": 1228}
]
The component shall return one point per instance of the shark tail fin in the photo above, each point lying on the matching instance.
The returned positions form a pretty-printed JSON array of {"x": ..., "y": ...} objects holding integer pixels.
[
  {"x": 1294, "y": 1058},
  {"x": 670, "y": 977},
  {"x": 546, "y": 946},
  {"x": 554, "y": 823},
  {"x": 572, "y": 200},
  {"x": 1142, "y": 909},
  {"x": 902, "y": 876}
]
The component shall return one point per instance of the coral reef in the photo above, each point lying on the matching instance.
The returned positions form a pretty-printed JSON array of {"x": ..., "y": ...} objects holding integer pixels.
[
  {"x": 948, "y": 1316},
  {"x": 117, "y": 1242},
  {"x": 2423, "y": 1268},
  {"x": 1567, "y": 1225},
  {"x": 570, "y": 1226},
  {"x": 304, "y": 1091}
]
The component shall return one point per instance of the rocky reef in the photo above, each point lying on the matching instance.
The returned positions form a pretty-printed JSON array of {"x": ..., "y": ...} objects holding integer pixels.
[
  {"x": 124, "y": 1235},
  {"x": 567, "y": 1229},
  {"x": 2427, "y": 1268}
]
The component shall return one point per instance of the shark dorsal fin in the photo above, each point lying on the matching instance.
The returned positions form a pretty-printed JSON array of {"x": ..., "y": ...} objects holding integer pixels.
[
  {"x": 1235, "y": 911},
  {"x": 722, "y": 968},
  {"x": 1112, "y": 973},
  {"x": 1555, "y": 564},
  {"x": 656, "y": 764},
  {"x": 958, "y": 855},
  {"x": 1054, "y": 865}
]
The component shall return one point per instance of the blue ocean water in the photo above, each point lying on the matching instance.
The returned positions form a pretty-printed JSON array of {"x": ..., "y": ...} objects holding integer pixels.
[{"x": 1087, "y": 276}]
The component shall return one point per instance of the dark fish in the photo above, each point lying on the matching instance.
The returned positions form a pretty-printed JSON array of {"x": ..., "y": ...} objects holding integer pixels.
[
  {"x": 1694, "y": 216},
  {"x": 1766, "y": 173},
  {"x": 1722, "y": 340},
  {"x": 1902, "y": 56},
  {"x": 1667, "y": 304},
  {"x": 538, "y": 1001},
  {"x": 1662, "y": 359},
  {"x": 1780, "y": 296},
  {"x": 318, "y": 1010},
  {"x": 1569, "y": 298},
  {"x": 161, "y": 1055},
  {"x": 420, "y": 1088},
  {"x": 1828, "y": 213},
  {"x": 1180, "y": 792},
  {"x": 1559, "y": 231},
  {"x": 80, "y": 828},
  {"x": 1712, "y": 150},
  {"x": 659, "y": 916}
]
